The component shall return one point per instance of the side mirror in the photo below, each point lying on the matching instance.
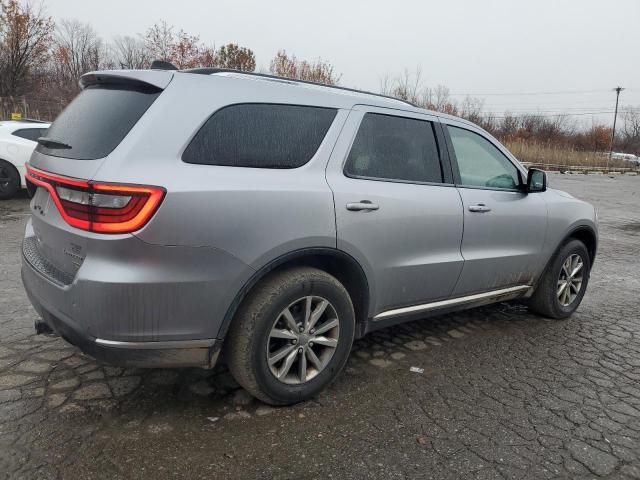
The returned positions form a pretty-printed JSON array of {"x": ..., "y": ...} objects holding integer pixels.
[{"x": 536, "y": 180}]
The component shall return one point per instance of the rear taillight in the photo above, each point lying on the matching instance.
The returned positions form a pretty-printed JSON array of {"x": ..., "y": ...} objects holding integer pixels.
[{"x": 97, "y": 206}]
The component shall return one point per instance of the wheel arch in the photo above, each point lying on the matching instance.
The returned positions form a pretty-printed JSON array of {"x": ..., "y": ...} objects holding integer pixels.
[
  {"x": 11, "y": 164},
  {"x": 333, "y": 261},
  {"x": 586, "y": 234}
]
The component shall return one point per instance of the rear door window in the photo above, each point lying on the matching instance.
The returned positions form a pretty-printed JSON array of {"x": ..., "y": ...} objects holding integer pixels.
[
  {"x": 260, "y": 136},
  {"x": 394, "y": 148},
  {"x": 97, "y": 120}
]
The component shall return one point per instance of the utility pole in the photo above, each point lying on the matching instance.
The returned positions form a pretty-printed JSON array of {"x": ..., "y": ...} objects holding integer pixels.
[{"x": 615, "y": 117}]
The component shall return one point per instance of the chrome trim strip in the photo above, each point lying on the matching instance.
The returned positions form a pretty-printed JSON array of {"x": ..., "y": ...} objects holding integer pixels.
[
  {"x": 173, "y": 344},
  {"x": 450, "y": 302}
]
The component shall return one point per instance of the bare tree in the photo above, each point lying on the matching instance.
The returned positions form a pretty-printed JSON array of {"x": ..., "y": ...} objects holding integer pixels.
[
  {"x": 509, "y": 126},
  {"x": 163, "y": 42},
  {"x": 159, "y": 40},
  {"x": 386, "y": 85},
  {"x": 236, "y": 57},
  {"x": 630, "y": 141},
  {"x": 631, "y": 122},
  {"x": 130, "y": 52},
  {"x": 319, "y": 71},
  {"x": 77, "y": 49},
  {"x": 185, "y": 50},
  {"x": 409, "y": 86},
  {"x": 471, "y": 109},
  {"x": 441, "y": 100},
  {"x": 25, "y": 33}
]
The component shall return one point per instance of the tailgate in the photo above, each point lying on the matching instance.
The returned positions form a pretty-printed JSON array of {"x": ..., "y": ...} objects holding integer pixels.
[{"x": 76, "y": 145}]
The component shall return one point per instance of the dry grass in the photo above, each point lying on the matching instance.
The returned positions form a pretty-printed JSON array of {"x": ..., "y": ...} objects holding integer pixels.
[{"x": 557, "y": 157}]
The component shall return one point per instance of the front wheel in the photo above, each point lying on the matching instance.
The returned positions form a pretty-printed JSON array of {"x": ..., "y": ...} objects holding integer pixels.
[
  {"x": 292, "y": 335},
  {"x": 563, "y": 285}
]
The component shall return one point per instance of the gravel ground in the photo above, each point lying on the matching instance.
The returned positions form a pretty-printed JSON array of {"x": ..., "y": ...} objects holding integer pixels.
[{"x": 503, "y": 394}]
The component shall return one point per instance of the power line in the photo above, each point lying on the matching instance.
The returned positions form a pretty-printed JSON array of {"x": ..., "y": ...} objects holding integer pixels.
[
  {"x": 559, "y": 111},
  {"x": 565, "y": 92},
  {"x": 549, "y": 108},
  {"x": 548, "y": 103},
  {"x": 533, "y": 114}
]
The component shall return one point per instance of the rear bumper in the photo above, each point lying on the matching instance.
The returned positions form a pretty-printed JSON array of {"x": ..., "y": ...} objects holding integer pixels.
[
  {"x": 162, "y": 354},
  {"x": 134, "y": 304},
  {"x": 119, "y": 296}
]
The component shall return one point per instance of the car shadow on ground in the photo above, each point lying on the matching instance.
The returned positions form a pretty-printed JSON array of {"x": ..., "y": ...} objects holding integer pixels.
[{"x": 62, "y": 379}]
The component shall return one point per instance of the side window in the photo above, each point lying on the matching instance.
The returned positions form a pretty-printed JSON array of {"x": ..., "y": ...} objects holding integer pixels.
[
  {"x": 394, "y": 148},
  {"x": 30, "y": 133},
  {"x": 480, "y": 163},
  {"x": 260, "y": 136}
]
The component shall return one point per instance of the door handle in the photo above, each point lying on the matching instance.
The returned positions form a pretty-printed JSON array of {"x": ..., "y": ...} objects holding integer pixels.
[
  {"x": 362, "y": 205},
  {"x": 481, "y": 207}
]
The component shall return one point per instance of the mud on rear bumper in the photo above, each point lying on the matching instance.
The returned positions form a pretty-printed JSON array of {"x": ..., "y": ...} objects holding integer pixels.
[{"x": 162, "y": 354}]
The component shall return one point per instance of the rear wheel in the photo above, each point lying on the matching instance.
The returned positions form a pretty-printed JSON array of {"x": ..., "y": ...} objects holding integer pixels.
[
  {"x": 9, "y": 180},
  {"x": 563, "y": 285},
  {"x": 292, "y": 336}
]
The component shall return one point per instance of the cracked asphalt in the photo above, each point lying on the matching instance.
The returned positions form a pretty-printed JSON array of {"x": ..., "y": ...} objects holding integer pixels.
[{"x": 503, "y": 393}]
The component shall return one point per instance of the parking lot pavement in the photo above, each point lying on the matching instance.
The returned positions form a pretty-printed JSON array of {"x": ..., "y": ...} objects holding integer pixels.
[{"x": 503, "y": 394}]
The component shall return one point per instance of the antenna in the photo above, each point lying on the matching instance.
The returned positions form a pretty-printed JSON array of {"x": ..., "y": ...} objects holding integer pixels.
[{"x": 162, "y": 65}]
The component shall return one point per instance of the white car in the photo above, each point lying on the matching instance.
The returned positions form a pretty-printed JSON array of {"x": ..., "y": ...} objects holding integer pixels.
[{"x": 17, "y": 141}]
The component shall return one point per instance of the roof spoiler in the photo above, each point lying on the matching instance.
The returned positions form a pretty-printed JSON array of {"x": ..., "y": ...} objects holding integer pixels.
[{"x": 158, "y": 79}]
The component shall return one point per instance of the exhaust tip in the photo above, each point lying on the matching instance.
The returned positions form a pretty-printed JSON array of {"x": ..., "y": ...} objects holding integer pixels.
[{"x": 44, "y": 329}]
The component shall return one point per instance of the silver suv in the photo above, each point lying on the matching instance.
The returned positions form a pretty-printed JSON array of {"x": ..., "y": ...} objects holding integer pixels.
[{"x": 180, "y": 214}]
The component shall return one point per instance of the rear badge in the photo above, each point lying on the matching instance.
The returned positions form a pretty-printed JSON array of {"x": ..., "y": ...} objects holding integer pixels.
[{"x": 75, "y": 252}]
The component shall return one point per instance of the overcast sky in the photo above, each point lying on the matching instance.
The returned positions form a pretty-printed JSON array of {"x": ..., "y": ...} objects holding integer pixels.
[{"x": 492, "y": 49}]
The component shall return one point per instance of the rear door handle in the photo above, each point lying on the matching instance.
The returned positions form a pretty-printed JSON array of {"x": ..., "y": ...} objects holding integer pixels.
[
  {"x": 362, "y": 205},
  {"x": 481, "y": 207}
]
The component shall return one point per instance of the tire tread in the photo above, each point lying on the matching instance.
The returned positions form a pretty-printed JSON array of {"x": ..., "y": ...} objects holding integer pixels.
[{"x": 241, "y": 338}]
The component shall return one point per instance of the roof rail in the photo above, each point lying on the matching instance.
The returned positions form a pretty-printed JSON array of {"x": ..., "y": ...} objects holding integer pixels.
[{"x": 211, "y": 71}]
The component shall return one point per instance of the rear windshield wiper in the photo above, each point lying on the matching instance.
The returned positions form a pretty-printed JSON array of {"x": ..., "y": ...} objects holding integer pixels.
[{"x": 53, "y": 143}]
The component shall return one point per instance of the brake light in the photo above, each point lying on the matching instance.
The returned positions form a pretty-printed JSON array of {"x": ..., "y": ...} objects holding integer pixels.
[{"x": 97, "y": 206}]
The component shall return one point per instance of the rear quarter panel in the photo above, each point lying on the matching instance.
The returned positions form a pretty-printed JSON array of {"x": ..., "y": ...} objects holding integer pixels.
[{"x": 253, "y": 214}]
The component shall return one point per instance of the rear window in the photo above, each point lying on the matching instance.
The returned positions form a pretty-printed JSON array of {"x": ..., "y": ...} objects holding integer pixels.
[
  {"x": 97, "y": 120},
  {"x": 260, "y": 136}
]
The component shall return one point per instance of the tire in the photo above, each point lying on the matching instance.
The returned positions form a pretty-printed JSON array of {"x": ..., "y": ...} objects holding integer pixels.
[
  {"x": 548, "y": 299},
  {"x": 250, "y": 341},
  {"x": 9, "y": 180}
]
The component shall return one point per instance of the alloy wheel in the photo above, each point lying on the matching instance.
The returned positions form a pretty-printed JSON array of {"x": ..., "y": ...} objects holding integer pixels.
[
  {"x": 570, "y": 279},
  {"x": 302, "y": 340}
]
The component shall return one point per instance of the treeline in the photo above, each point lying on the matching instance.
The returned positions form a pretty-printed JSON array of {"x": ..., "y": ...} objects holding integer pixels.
[
  {"x": 559, "y": 131},
  {"x": 41, "y": 60}
]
